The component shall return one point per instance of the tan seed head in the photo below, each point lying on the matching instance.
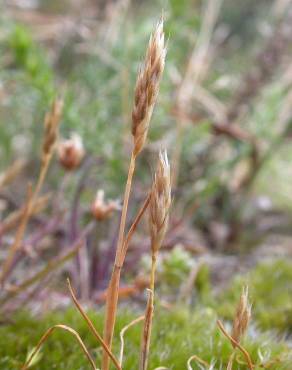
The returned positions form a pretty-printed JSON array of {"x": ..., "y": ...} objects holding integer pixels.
[
  {"x": 147, "y": 86},
  {"x": 52, "y": 120},
  {"x": 160, "y": 200},
  {"x": 242, "y": 316}
]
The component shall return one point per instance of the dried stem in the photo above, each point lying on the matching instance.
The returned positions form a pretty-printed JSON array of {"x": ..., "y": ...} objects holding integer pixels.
[
  {"x": 160, "y": 199},
  {"x": 50, "y": 266},
  {"x": 198, "y": 359},
  {"x": 18, "y": 238},
  {"x": 134, "y": 225},
  {"x": 48, "y": 334},
  {"x": 50, "y": 136},
  {"x": 113, "y": 288},
  {"x": 14, "y": 218},
  {"x": 230, "y": 361},
  {"x": 122, "y": 333},
  {"x": 92, "y": 327},
  {"x": 236, "y": 344},
  {"x": 146, "y": 334}
]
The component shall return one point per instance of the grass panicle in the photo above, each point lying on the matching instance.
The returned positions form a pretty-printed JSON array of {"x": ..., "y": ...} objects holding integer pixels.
[
  {"x": 52, "y": 120},
  {"x": 160, "y": 200},
  {"x": 242, "y": 316},
  {"x": 239, "y": 328},
  {"x": 240, "y": 322},
  {"x": 147, "y": 87},
  {"x": 146, "y": 91}
]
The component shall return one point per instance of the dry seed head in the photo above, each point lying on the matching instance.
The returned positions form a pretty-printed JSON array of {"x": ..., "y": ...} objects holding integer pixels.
[
  {"x": 160, "y": 200},
  {"x": 71, "y": 152},
  {"x": 242, "y": 316},
  {"x": 101, "y": 210},
  {"x": 147, "y": 86},
  {"x": 52, "y": 120}
]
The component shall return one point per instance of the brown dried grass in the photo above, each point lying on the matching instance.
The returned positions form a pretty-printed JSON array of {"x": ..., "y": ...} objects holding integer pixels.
[{"x": 146, "y": 91}]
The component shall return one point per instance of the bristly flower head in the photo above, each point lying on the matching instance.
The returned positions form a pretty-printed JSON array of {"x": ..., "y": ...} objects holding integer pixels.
[
  {"x": 160, "y": 200},
  {"x": 147, "y": 86},
  {"x": 52, "y": 120},
  {"x": 242, "y": 316}
]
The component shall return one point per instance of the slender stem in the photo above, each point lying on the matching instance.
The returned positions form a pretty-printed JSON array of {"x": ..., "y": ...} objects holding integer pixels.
[
  {"x": 146, "y": 334},
  {"x": 122, "y": 333},
  {"x": 198, "y": 359},
  {"x": 18, "y": 239},
  {"x": 12, "y": 220},
  {"x": 113, "y": 288},
  {"x": 31, "y": 199},
  {"x": 42, "y": 176},
  {"x": 111, "y": 308},
  {"x": 230, "y": 361},
  {"x": 145, "y": 345},
  {"x": 50, "y": 266},
  {"x": 92, "y": 327},
  {"x": 153, "y": 270},
  {"x": 134, "y": 226},
  {"x": 48, "y": 334},
  {"x": 120, "y": 244},
  {"x": 40, "y": 275},
  {"x": 238, "y": 345}
]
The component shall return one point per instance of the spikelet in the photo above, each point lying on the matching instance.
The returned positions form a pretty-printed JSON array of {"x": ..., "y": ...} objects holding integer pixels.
[
  {"x": 242, "y": 316},
  {"x": 52, "y": 120},
  {"x": 147, "y": 86},
  {"x": 160, "y": 200}
]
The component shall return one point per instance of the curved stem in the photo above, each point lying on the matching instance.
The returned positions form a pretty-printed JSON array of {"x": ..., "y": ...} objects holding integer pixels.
[
  {"x": 30, "y": 202},
  {"x": 47, "y": 335},
  {"x": 236, "y": 344},
  {"x": 92, "y": 327},
  {"x": 122, "y": 333},
  {"x": 134, "y": 226},
  {"x": 198, "y": 359}
]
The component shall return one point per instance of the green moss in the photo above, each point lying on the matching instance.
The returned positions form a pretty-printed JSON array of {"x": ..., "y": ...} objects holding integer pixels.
[
  {"x": 175, "y": 267},
  {"x": 177, "y": 334},
  {"x": 270, "y": 287},
  {"x": 202, "y": 282},
  {"x": 29, "y": 58}
]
